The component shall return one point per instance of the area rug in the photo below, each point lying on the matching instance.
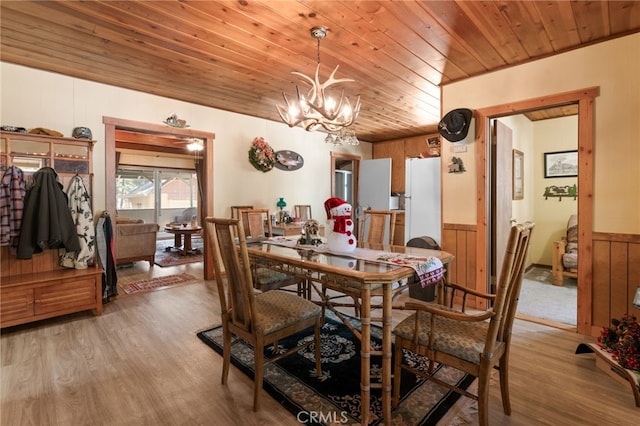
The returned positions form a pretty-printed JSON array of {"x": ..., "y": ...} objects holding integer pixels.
[
  {"x": 539, "y": 298},
  {"x": 335, "y": 397},
  {"x": 166, "y": 258},
  {"x": 157, "y": 282}
]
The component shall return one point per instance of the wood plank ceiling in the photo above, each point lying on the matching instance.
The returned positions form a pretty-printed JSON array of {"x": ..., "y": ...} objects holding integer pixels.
[{"x": 238, "y": 55}]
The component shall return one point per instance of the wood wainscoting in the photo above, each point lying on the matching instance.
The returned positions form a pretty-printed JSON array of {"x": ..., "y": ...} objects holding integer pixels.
[
  {"x": 616, "y": 270},
  {"x": 616, "y": 276},
  {"x": 460, "y": 240}
]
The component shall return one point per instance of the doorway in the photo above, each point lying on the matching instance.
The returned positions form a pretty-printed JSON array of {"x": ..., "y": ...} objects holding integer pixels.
[
  {"x": 344, "y": 179},
  {"x": 524, "y": 139},
  {"x": 585, "y": 101},
  {"x": 149, "y": 132}
]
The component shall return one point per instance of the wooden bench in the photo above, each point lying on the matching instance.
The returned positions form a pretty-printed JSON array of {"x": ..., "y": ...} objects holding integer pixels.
[{"x": 38, "y": 288}]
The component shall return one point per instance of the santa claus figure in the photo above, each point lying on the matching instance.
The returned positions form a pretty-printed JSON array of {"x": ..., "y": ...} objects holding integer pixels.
[{"x": 341, "y": 239}]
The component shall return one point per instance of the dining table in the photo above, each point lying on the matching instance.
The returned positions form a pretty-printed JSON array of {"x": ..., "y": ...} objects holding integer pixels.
[
  {"x": 348, "y": 272},
  {"x": 291, "y": 229},
  {"x": 180, "y": 232}
]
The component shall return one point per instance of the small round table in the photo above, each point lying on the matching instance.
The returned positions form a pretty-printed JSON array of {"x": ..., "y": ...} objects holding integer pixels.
[{"x": 178, "y": 233}]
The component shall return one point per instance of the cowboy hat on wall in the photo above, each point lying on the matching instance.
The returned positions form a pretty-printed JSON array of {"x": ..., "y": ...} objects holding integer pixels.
[{"x": 455, "y": 125}]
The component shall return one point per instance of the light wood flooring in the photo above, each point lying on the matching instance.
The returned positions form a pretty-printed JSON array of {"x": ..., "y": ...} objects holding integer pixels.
[{"x": 140, "y": 363}]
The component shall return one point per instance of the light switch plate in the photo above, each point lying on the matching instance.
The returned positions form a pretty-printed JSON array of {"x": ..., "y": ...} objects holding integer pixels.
[{"x": 459, "y": 147}]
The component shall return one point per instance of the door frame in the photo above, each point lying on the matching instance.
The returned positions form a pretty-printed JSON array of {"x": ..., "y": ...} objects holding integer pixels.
[
  {"x": 355, "y": 159},
  {"x": 585, "y": 99},
  {"x": 111, "y": 124}
]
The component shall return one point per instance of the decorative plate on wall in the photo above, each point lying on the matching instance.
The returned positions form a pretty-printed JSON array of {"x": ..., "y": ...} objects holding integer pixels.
[{"x": 288, "y": 160}]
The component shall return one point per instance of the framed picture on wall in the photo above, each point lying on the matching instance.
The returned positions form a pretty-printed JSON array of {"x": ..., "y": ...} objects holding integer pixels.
[
  {"x": 517, "y": 172},
  {"x": 560, "y": 164}
]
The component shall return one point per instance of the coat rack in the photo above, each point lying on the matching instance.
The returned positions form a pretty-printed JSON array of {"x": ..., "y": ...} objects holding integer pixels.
[{"x": 561, "y": 191}]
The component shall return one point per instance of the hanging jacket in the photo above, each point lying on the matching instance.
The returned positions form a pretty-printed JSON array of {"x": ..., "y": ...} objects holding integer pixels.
[
  {"x": 12, "y": 193},
  {"x": 46, "y": 220},
  {"x": 80, "y": 207},
  {"x": 106, "y": 256}
]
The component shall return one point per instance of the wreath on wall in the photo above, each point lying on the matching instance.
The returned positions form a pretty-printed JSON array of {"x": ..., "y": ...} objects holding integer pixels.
[{"x": 261, "y": 155}]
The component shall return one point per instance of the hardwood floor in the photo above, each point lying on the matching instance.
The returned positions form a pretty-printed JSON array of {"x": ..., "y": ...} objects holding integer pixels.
[{"x": 140, "y": 363}]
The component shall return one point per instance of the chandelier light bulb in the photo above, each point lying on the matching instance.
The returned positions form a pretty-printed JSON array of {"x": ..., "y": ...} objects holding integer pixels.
[{"x": 317, "y": 111}]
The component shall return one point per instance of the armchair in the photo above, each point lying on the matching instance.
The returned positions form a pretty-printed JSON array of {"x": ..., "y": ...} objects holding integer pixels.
[
  {"x": 474, "y": 343},
  {"x": 564, "y": 261},
  {"x": 135, "y": 240}
]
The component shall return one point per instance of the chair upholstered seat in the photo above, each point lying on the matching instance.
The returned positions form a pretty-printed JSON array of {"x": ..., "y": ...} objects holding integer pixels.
[
  {"x": 458, "y": 338},
  {"x": 266, "y": 279},
  {"x": 278, "y": 309}
]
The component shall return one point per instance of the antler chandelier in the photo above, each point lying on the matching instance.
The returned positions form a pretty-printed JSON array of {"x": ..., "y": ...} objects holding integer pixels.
[{"x": 317, "y": 110}]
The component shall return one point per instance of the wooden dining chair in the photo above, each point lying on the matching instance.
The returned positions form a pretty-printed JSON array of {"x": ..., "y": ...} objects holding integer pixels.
[
  {"x": 375, "y": 225},
  {"x": 236, "y": 209},
  {"x": 256, "y": 225},
  {"x": 258, "y": 318},
  {"x": 474, "y": 343},
  {"x": 303, "y": 211}
]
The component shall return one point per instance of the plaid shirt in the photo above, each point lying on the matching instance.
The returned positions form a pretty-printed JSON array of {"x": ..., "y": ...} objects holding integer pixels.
[{"x": 12, "y": 193}]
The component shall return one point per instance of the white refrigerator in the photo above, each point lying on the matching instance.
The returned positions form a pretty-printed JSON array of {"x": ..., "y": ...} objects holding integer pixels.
[
  {"x": 374, "y": 188},
  {"x": 423, "y": 215}
]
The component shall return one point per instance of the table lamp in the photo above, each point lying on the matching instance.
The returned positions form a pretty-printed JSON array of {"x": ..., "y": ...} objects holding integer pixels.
[
  {"x": 636, "y": 300},
  {"x": 281, "y": 204}
]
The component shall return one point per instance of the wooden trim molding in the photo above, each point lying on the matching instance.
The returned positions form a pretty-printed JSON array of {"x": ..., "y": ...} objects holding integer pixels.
[
  {"x": 585, "y": 100},
  {"x": 618, "y": 238},
  {"x": 111, "y": 124},
  {"x": 460, "y": 227}
]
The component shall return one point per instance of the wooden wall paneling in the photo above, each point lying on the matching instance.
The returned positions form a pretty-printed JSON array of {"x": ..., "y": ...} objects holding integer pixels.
[
  {"x": 601, "y": 283},
  {"x": 461, "y": 259},
  {"x": 449, "y": 245},
  {"x": 460, "y": 240},
  {"x": 619, "y": 279},
  {"x": 633, "y": 274},
  {"x": 470, "y": 261},
  {"x": 416, "y": 146}
]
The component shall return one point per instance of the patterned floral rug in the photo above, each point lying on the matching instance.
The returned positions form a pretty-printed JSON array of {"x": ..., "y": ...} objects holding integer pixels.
[
  {"x": 157, "y": 283},
  {"x": 166, "y": 258},
  {"x": 291, "y": 381}
]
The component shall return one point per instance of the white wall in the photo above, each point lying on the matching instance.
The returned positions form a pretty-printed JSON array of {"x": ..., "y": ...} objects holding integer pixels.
[
  {"x": 613, "y": 66},
  {"x": 32, "y": 98},
  {"x": 551, "y": 216}
]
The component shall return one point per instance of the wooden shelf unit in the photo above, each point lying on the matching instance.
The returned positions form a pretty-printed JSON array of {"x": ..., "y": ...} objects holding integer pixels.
[{"x": 39, "y": 288}]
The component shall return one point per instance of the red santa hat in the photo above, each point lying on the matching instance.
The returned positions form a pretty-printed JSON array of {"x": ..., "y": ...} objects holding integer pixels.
[{"x": 331, "y": 204}]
